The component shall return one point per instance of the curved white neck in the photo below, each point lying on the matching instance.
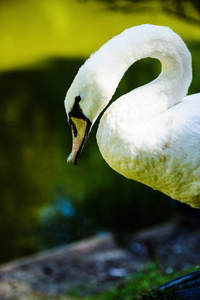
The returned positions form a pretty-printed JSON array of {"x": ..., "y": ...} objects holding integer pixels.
[{"x": 113, "y": 59}]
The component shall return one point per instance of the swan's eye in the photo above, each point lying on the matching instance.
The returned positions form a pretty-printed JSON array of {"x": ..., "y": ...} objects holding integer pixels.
[{"x": 78, "y": 99}]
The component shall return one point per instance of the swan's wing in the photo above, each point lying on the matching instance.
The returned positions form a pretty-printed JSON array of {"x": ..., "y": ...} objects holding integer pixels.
[{"x": 162, "y": 152}]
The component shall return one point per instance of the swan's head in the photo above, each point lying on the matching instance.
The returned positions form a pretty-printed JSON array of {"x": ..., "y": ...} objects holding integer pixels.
[{"x": 85, "y": 100}]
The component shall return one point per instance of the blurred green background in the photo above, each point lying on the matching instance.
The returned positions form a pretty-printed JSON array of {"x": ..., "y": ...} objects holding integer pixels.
[{"x": 45, "y": 202}]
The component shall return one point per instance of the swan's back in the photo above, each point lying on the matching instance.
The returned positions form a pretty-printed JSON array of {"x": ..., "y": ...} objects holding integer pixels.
[{"x": 162, "y": 152}]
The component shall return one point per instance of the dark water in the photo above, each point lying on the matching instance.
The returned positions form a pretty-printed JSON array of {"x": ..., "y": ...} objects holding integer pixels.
[{"x": 45, "y": 202}]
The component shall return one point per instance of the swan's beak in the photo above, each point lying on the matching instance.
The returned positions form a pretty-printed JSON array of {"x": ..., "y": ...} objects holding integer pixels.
[{"x": 80, "y": 131}]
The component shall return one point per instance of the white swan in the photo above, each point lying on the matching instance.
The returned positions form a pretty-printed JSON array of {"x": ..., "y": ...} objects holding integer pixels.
[{"x": 151, "y": 134}]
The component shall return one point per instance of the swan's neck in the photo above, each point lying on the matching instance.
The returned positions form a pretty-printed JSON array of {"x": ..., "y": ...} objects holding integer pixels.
[{"x": 116, "y": 56}]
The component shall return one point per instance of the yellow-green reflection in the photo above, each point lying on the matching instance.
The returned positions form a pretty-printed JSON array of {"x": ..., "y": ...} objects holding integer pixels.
[{"x": 32, "y": 30}]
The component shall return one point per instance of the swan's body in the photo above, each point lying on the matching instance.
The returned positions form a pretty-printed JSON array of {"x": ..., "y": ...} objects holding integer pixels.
[{"x": 151, "y": 134}]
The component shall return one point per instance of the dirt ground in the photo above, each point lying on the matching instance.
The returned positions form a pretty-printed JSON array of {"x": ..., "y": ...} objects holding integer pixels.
[{"x": 98, "y": 263}]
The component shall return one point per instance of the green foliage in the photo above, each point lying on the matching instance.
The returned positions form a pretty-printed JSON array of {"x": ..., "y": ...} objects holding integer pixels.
[
  {"x": 141, "y": 286},
  {"x": 186, "y": 10}
]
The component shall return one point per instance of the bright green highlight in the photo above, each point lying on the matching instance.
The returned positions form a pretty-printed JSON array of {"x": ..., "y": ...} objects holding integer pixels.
[{"x": 33, "y": 30}]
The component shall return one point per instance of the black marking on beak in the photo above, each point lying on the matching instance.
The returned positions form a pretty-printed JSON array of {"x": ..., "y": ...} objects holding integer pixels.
[
  {"x": 77, "y": 113},
  {"x": 83, "y": 142}
]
